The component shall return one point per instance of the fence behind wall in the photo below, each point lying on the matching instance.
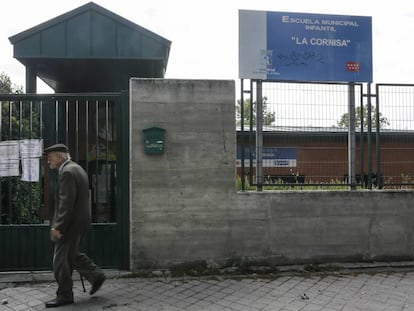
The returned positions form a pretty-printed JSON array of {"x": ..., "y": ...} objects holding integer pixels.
[
  {"x": 306, "y": 135},
  {"x": 395, "y": 150}
]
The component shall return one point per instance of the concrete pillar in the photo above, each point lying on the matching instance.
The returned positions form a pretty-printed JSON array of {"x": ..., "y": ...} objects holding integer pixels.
[{"x": 31, "y": 83}]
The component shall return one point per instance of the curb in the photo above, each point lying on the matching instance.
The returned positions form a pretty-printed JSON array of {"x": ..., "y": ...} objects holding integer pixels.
[{"x": 13, "y": 278}]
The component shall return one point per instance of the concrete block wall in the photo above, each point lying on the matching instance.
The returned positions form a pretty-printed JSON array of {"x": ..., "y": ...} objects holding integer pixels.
[
  {"x": 185, "y": 208},
  {"x": 176, "y": 196},
  {"x": 327, "y": 226}
]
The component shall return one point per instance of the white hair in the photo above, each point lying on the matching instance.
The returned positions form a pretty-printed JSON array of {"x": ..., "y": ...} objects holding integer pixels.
[{"x": 63, "y": 155}]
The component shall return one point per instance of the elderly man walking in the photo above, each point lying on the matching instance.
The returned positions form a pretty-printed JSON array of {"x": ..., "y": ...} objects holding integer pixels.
[{"x": 70, "y": 221}]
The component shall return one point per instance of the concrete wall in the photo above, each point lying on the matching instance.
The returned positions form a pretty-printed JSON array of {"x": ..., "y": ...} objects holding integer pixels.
[
  {"x": 326, "y": 226},
  {"x": 184, "y": 206}
]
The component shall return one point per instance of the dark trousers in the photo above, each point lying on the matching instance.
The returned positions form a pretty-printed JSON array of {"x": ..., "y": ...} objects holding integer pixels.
[{"x": 66, "y": 258}]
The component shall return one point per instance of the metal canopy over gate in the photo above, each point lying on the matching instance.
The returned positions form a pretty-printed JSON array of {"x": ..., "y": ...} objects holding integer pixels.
[
  {"x": 95, "y": 127},
  {"x": 89, "y": 49}
]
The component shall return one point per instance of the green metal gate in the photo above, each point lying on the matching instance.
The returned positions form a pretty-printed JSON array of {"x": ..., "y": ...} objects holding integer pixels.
[{"x": 96, "y": 129}]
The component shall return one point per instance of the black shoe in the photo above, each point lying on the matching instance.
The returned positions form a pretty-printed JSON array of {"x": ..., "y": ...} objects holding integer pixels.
[
  {"x": 57, "y": 302},
  {"x": 97, "y": 285}
]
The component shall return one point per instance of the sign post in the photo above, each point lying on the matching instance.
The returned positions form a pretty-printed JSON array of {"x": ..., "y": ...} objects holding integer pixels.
[{"x": 284, "y": 46}]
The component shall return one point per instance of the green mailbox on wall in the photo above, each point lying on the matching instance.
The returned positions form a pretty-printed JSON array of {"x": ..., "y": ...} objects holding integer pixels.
[{"x": 154, "y": 140}]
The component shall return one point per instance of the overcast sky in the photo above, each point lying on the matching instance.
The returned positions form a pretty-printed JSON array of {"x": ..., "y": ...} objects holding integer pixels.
[{"x": 204, "y": 34}]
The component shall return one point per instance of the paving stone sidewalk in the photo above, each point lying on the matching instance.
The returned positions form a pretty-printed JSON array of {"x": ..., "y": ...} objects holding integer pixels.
[{"x": 349, "y": 292}]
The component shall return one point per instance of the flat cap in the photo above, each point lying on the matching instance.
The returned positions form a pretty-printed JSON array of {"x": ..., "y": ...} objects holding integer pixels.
[{"x": 56, "y": 148}]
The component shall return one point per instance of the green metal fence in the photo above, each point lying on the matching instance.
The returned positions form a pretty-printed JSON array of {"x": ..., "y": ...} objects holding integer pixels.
[{"x": 95, "y": 127}]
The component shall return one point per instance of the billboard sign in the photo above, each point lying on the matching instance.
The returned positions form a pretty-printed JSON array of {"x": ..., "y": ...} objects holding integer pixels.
[{"x": 304, "y": 47}]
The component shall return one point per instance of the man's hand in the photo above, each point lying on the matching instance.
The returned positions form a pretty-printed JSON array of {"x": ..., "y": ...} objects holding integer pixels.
[{"x": 56, "y": 233}]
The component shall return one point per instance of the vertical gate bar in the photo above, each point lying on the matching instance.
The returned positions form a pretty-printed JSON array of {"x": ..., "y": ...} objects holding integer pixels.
[
  {"x": 56, "y": 120},
  {"x": 378, "y": 138},
  {"x": 66, "y": 122},
  {"x": 77, "y": 130},
  {"x": 86, "y": 146},
  {"x": 19, "y": 207},
  {"x": 87, "y": 135},
  {"x": 20, "y": 119},
  {"x": 30, "y": 184},
  {"x": 243, "y": 186},
  {"x": 30, "y": 119},
  {"x": 259, "y": 136},
  {"x": 369, "y": 138},
  {"x": 251, "y": 134},
  {"x": 106, "y": 154},
  {"x": 54, "y": 105},
  {"x": 40, "y": 107},
  {"x": 96, "y": 155},
  {"x": 9, "y": 179},
  {"x": 361, "y": 136},
  {"x": 96, "y": 129},
  {"x": 351, "y": 136}
]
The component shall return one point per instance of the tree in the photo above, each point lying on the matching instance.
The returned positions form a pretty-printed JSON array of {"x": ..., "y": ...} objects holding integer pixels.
[
  {"x": 268, "y": 117},
  {"x": 19, "y": 120},
  {"x": 24, "y": 118},
  {"x": 383, "y": 121},
  {"x": 6, "y": 86}
]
